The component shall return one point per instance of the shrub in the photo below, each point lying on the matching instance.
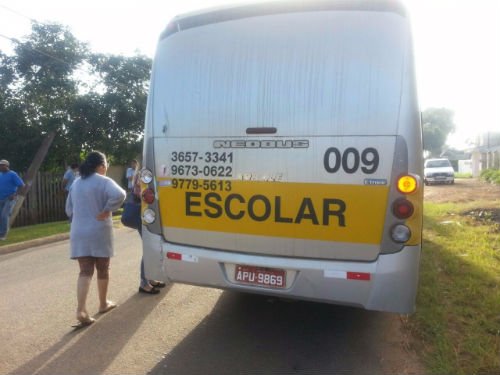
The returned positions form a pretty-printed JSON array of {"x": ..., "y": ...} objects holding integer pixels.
[{"x": 491, "y": 176}]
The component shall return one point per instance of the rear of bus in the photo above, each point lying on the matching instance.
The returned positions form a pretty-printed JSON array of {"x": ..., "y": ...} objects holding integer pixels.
[{"x": 283, "y": 153}]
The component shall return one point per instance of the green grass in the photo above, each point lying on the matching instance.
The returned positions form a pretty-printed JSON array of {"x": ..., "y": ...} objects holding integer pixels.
[
  {"x": 491, "y": 176},
  {"x": 463, "y": 175},
  {"x": 32, "y": 232},
  {"x": 458, "y": 305}
]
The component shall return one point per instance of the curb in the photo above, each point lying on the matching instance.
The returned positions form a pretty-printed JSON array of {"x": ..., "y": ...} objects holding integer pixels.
[{"x": 32, "y": 243}]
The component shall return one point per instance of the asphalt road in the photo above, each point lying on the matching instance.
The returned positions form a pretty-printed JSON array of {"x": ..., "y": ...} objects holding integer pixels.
[{"x": 183, "y": 330}]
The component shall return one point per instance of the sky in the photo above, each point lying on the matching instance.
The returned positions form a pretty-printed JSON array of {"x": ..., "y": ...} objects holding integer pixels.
[{"x": 457, "y": 45}]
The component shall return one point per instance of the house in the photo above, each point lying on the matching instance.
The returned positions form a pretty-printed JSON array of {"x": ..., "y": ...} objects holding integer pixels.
[
  {"x": 486, "y": 153},
  {"x": 455, "y": 157}
]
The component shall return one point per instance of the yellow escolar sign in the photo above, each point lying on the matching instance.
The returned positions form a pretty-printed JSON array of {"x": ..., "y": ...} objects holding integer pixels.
[{"x": 347, "y": 213}]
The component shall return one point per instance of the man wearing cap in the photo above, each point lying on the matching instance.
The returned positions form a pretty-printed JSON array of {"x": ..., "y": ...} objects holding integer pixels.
[{"x": 10, "y": 183}]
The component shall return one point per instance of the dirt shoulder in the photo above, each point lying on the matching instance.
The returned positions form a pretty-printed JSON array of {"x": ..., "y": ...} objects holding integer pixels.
[{"x": 463, "y": 190}]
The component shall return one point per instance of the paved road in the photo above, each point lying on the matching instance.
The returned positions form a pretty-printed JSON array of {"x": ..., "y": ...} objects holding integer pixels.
[{"x": 184, "y": 330}]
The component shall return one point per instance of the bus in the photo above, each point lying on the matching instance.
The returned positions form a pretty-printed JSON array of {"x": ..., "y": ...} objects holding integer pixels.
[{"x": 283, "y": 153}]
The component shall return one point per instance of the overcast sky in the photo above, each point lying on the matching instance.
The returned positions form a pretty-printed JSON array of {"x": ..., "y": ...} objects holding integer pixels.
[{"x": 457, "y": 44}]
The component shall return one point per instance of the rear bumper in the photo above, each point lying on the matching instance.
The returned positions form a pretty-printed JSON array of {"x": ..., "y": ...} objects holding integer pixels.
[
  {"x": 439, "y": 180},
  {"x": 392, "y": 286}
]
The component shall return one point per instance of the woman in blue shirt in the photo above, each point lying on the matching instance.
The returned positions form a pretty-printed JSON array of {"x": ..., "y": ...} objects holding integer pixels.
[{"x": 91, "y": 200}]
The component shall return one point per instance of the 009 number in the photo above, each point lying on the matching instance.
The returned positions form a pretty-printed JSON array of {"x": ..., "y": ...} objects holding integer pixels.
[{"x": 351, "y": 160}]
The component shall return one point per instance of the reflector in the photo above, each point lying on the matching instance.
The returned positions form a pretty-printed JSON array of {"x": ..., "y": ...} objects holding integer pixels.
[{"x": 174, "y": 256}]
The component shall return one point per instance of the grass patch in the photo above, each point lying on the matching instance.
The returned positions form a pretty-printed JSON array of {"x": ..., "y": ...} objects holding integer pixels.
[
  {"x": 32, "y": 232},
  {"x": 491, "y": 176},
  {"x": 458, "y": 305},
  {"x": 463, "y": 175}
]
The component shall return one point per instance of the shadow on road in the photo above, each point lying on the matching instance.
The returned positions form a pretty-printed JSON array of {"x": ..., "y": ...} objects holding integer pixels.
[
  {"x": 83, "y": 355},
  {"x": 249, "y": 334}
]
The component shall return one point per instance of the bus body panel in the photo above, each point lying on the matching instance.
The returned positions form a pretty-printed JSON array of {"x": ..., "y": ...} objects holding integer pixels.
[
  {"x": 320, "y": 73},
  {"x": 276, "y": 142},
  {"x": 285, "y": 199}
]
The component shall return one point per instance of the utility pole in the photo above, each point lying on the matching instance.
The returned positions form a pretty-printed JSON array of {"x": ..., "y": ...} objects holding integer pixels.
[{"x": 30, "y": 176}]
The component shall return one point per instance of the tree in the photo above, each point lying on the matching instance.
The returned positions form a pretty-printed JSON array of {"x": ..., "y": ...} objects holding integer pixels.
[
  {"x": 17, "y": 137},
  {"x": 437, "y": 124},
  {"x": 46, "y": 62},
  {"x": 53, "y": 83},
  {"x": 123, "y": 103}
]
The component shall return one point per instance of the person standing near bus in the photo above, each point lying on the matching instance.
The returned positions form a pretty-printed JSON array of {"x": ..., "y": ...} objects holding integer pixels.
[
  {"x": 91, "y": 200},
  {"x": 10, "y": 184},
  {"x": 145, "y": 286},
  {"x": 130, "y": 173},
  {"x": 69, "y": 176}
]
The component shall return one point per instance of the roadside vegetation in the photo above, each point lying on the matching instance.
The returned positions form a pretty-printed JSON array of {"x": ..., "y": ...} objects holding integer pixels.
[
  {"x": 491, "y": 176},
  {"x": 463, "y": 175},
  {"x": 458, "y": 305},
  {"x": 33, "y": 232}
]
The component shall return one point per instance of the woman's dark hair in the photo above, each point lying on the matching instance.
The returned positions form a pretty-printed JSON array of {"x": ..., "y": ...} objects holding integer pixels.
[{"x": 93, "y": 160}]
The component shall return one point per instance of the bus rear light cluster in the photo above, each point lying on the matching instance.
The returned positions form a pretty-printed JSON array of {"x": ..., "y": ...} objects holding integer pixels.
[
  {"x": 403, "y": 208},
  {"x": 148, "y": 196}
]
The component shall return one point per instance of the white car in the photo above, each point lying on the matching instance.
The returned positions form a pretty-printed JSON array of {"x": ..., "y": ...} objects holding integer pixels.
[{"x": 438, "y": 171}]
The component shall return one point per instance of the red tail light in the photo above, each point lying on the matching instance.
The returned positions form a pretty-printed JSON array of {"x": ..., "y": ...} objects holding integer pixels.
[
  {"x": 148, "y": 196},
  {"x": 402, "y": 208}
]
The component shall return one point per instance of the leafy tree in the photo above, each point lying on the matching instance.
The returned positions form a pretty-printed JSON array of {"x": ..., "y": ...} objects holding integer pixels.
[
  {"x": 17, "y": 138},
  {"x": 123, "y": 103},
  {"x": 45, "y": 89},
  {"x": 437, "y": 124},
  {"x": 46, "y": 63}
]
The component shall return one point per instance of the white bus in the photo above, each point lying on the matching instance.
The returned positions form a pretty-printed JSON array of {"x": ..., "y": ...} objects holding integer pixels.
[{"x": 283, "y": 153}]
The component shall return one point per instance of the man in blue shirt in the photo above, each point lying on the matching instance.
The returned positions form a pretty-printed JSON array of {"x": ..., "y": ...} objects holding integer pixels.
[{"x": 10, "y": 183}]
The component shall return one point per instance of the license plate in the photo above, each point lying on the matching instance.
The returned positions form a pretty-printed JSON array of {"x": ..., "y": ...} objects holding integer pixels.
[{"x": 260, "y": 276}]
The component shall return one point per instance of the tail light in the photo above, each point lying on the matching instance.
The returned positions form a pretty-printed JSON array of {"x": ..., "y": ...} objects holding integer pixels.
[
  {"x": 402, "y": 208},
  {"x": 148, "y": 196}
]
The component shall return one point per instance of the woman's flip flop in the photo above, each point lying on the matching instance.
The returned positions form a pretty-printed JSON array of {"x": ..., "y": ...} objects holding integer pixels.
[
  {"x": 110, "y": 306},
  {"x": 83, "y": 323}
]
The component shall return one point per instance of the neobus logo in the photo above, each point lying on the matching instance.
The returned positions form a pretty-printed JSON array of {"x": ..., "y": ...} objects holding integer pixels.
[{"x": 239, "y": 143}]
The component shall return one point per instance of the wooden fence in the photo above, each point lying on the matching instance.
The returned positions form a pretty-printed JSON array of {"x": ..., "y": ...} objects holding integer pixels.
[{"x": 45, "y": 201}]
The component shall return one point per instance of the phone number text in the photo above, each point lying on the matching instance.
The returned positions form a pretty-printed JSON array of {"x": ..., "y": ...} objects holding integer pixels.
[
  {"x": 207, "y": 185},
  {"x": 206, "y": 157},
  {"x": 196, "y": 171}
]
